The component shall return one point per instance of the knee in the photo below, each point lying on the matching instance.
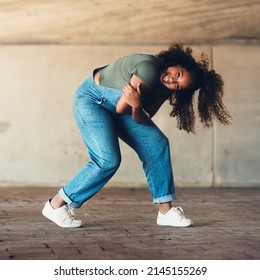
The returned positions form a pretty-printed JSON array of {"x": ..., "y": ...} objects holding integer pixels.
[
  {"x": 164, "y": 141},
  {"x": 163, "y": 145},
  {"x": 111, "y": 164}
]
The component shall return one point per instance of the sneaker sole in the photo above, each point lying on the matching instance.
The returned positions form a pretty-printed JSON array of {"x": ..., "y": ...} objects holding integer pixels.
[{"x": 169, "y": 225}]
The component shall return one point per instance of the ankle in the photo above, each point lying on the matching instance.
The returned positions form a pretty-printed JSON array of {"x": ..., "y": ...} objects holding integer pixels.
[
  {"x": 56, "y": 202},
  {"x": 165, "y": 207}
]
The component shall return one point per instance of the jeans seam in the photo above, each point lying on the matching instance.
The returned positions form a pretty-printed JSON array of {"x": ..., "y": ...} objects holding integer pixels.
[
  {"x": 90, "y": 130},
  {"x": 152, "y": 172},
  {"x": 94, "y": 137},
  {"x": 156, "y": 190}
]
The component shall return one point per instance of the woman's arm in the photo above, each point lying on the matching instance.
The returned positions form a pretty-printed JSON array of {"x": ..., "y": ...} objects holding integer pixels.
[
  {"x": 122, "y": 106},
  {"x": 130, "y": 101},
  {"x": 132, "y": 97}
]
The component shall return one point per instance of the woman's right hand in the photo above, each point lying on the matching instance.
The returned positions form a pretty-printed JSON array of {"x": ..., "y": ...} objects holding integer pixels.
[
  {"x": 132, "y": 96},
  {"x": 130, "y": 101}
]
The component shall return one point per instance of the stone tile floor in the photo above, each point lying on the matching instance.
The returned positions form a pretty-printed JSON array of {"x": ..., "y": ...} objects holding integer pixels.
[{"x": 120, "y": 223}]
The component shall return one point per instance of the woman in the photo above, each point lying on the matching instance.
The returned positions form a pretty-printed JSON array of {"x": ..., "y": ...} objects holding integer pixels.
[{"x": 118, "y": 101}]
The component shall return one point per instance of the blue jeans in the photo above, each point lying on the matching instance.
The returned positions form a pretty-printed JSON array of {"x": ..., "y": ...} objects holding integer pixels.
[{"x": 100, "y": 127}]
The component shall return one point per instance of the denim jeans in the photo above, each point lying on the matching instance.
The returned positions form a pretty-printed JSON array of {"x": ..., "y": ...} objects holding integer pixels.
[{"x": 101, "y": 127}]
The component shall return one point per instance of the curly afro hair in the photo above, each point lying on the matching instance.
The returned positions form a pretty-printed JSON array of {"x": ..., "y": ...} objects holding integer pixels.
[{"x": 208, "y": 82}]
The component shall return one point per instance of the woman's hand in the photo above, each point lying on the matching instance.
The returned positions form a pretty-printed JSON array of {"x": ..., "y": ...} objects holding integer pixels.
[
  {"x": 130, "y": 101},
  {"x": 132, "y": 96}
]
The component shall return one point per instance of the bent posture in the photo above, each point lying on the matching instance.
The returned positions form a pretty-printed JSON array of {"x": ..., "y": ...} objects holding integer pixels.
[{"x": 118, "y": 101}]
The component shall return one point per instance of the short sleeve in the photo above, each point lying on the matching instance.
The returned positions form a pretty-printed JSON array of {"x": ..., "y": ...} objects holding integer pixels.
[{"x": 147, "y": 71}]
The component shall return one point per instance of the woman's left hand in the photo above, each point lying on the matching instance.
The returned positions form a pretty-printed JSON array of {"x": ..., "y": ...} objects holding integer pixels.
[{"x": 132, "y": 96}]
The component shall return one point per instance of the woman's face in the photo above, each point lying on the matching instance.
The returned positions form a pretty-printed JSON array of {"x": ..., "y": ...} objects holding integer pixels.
[{"x": 176, "y": 78}]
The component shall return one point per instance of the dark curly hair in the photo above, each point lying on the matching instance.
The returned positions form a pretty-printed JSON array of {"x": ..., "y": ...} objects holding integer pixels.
[{"x": 208, "y": 82}]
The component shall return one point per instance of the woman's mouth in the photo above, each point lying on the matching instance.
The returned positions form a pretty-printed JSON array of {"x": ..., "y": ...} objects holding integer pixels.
[{"x": 165, "y": 78}]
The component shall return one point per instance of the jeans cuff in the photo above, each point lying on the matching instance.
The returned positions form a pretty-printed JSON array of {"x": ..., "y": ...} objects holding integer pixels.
[
  {"x": 68, "y": 200},
  {"x": 164, "y": 199}
]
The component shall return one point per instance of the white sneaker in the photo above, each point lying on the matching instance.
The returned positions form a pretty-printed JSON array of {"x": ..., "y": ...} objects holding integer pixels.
[
  {"x": 63, "y": 216},
  {"x": 174, "y": 217}
]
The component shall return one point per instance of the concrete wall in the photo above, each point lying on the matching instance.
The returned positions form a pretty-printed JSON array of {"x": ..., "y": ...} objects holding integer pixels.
[{"x": 47, "y": 48}]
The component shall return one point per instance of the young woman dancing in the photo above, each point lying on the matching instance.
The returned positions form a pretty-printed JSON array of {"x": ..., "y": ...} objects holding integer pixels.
[{"x": 118, "y": 101}]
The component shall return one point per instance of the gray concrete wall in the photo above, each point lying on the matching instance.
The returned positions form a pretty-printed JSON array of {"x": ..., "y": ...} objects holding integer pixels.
[{"x": 40, "y": 143}]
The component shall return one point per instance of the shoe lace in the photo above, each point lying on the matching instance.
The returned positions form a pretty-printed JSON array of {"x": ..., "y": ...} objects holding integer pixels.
[
  {"x": 71, "y": 213},
  {"x": 180, "y": 211}
]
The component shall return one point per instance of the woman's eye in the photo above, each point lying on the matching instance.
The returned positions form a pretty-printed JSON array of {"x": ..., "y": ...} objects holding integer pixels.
[{"x": 179, "y": 74}]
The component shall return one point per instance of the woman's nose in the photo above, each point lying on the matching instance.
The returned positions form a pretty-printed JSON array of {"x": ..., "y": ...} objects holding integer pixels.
[{"x": 172, "y": 79}]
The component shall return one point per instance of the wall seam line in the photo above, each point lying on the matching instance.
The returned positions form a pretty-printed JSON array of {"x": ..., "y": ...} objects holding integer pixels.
[{"x": 213, "y": 135}]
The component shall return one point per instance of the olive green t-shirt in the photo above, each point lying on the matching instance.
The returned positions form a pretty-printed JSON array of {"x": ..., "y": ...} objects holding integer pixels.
[
  {"x": 145, "y": 66},
  {"x": 118, "y": 73}
]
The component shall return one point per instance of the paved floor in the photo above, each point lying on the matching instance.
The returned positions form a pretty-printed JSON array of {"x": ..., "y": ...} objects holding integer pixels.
[{"x": 119, "y": 223}]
